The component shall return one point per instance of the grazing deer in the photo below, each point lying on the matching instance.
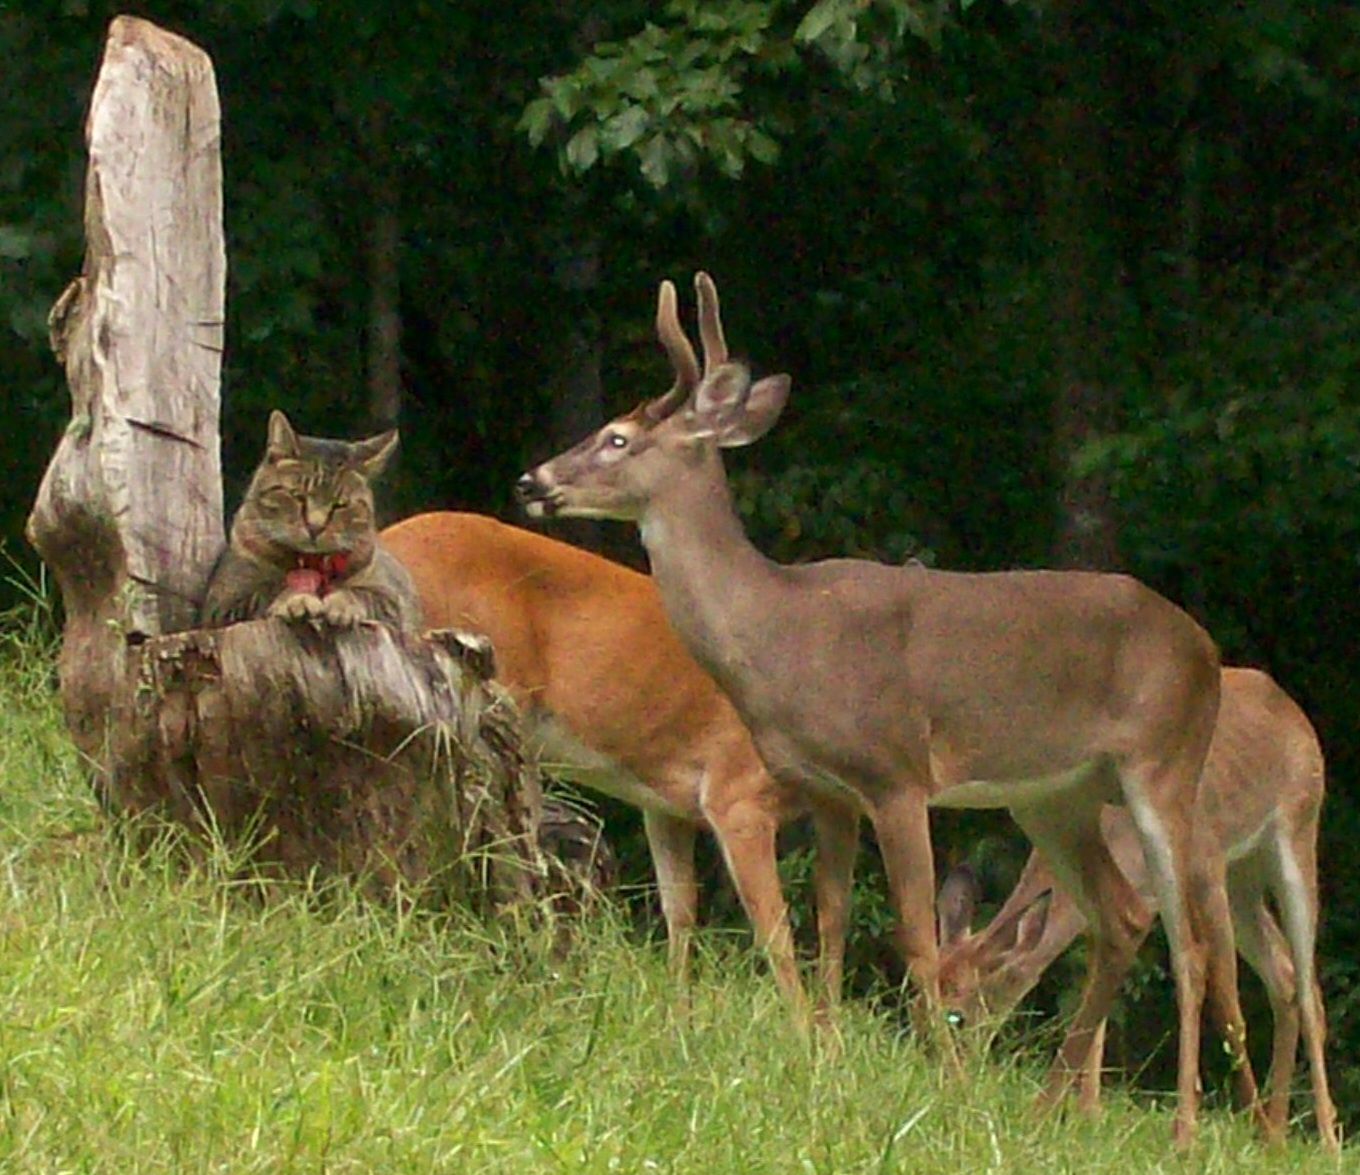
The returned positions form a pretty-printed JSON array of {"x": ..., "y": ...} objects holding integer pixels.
[
  {"x": 616, "y": 703},
  {"x": 1047, "y": 693},
  {"x": 1260, "y": 796}
]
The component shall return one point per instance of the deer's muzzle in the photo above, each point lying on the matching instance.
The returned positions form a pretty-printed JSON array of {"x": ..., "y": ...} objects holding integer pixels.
[{"x": 539, "y": 498}]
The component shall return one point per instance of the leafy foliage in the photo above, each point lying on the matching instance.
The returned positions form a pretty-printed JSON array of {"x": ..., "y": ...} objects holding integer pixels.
[
  {"x": 862, "y": 38},
  {"x": 816, "y": 512},
  {"x": 668, "y": 96}
]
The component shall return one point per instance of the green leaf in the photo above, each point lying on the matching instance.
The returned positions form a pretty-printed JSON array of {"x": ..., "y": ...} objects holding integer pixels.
[
  {"x": 583, "y": 149},
  {"x": 655, "y": 162},
  {"x": 565, "y": 97},
  {"x": 537, "y": 120},
  {"x": 820, "y": 18},
  {"x": 761, "y": 147},
  {"x": 624, "y": 129}
]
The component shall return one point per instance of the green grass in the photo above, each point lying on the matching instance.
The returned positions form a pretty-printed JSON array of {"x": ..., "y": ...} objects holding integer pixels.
[{"x": 155, "y": 1018}]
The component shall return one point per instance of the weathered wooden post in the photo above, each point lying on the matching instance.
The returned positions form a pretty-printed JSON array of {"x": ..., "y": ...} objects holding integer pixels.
[
  {"x": 363, "y": 751},
  {"x": 129, "y": 515}
]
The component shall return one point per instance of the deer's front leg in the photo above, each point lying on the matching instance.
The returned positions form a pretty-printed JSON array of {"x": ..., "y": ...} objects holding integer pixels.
[
  {"x": 902, "y": 825},
  {"x": 747, "y": 832},
  {"x": 836, "y": 827},
  {"x": 671, "y": 841}
]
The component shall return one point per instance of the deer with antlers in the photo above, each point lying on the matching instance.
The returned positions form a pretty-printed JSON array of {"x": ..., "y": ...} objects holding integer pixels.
[
  {"x": 1047, "y": 693},
  {"x": 1260, "y": 798}
]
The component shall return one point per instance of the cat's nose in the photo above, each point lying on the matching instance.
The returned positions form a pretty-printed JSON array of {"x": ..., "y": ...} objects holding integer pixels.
[{"x": 316, "y": 520}]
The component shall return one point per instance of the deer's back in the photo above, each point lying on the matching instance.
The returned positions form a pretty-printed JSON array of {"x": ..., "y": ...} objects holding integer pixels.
[
  {"x": 1007, "y": 675},
  {"x": 579, "y": 636}
]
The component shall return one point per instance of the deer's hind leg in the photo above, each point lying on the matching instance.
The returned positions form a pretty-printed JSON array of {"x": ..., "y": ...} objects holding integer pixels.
[
  {"x": 1295, "y": 891},
  {"x": 1262, "y": 943},
  {"x": 1214, "y": 913},
  {"x": 1161, "y": 796},
  {"x": 1068, "y": 833}
]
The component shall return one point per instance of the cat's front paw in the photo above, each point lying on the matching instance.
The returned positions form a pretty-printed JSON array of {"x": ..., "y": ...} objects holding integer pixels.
[
  {"x": 343, "y": 609},
  {"x": 298, "y": 606}
]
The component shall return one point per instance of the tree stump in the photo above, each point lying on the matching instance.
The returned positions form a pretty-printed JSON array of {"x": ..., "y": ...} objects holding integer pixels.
[{"x": 366, "y": 752}]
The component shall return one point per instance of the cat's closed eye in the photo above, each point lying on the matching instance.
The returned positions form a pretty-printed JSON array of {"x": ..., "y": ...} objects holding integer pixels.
[{"x": 280, "y": 498}]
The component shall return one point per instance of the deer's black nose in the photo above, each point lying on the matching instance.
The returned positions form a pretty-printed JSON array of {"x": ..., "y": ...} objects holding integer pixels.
[{"x": 526, "y": 487}]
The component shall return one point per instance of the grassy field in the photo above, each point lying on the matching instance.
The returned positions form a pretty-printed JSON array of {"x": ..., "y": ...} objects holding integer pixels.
[{"x": 153, "y": 1020}]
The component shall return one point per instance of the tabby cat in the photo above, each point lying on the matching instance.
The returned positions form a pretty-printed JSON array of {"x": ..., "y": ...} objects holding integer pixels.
[{"x": 304, "y": 544}]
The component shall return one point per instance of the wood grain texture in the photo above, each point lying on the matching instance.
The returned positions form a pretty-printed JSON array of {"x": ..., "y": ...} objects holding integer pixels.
[
  {"x": 365, "y": 752},
  {"x": 131, "y": 506},
  {"x": 360, "y": 751}
]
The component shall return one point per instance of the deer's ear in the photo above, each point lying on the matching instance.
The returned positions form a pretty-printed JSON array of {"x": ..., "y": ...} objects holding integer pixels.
[
  {"x": 283, "y": 440},
  {"x": 764, "y": 402},
  {"x": 1029, "y": 928},
  {"x": 957, "y": 897},
  {"x": 722, "y": 392}
]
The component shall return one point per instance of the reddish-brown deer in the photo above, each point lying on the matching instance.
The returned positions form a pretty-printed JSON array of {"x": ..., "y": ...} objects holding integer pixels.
[
  {"x": 1260, "y": 798},
  {"x": 1047, "y": 693},
  {"x": 616, "y": 703}
]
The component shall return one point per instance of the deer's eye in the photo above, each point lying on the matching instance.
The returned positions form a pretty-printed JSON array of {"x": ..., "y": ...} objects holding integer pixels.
[{"x": 616, "y": 440}]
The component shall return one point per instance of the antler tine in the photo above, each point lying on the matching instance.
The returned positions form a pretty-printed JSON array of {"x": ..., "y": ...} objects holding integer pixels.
[
  {"x": 674, "y": 339},
  {"x": 710, "y": 322}
]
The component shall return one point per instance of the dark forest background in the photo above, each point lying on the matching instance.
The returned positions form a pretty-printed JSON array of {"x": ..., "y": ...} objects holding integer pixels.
[{"x": 1063, "y": 283}]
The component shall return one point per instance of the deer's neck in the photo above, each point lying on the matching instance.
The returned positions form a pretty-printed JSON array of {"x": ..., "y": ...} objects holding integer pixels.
[{"x": 714, "y": 584}]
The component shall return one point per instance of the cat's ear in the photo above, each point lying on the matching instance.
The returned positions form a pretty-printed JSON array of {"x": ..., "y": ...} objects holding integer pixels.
[
  {"x": 370, "y": 457},
  {"x": 283, "y": 440}
]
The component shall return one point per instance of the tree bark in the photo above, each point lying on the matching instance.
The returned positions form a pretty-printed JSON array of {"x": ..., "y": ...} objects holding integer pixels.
[
  {"x": 129, "y": 513},
  {"x": 365, "y": 751}
]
